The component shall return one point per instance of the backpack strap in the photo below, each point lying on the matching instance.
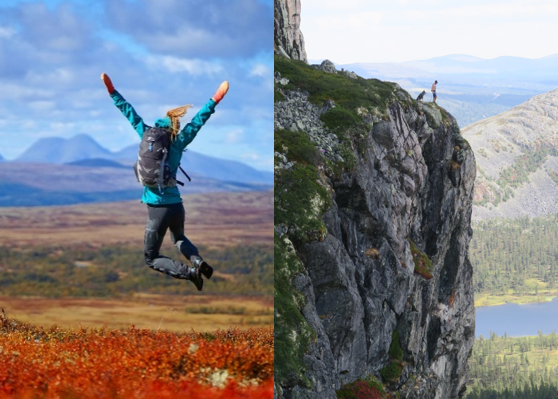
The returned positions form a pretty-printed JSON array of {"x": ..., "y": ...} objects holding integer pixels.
[{"x": 185, "y": 174}]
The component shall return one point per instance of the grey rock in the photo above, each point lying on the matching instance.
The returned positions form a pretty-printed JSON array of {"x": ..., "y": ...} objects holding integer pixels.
[
  {"x": 280, "y": 80},
  {"x": 288, "y": 39},
  {"x": 327, "y": 66},
  {"x": 298, "y": 114},
  {"x": 281, "y": 230},
  {"x": 351, "y": 75}
]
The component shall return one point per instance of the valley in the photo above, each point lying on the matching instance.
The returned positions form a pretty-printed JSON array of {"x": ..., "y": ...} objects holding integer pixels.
[
  {"x": 82, "y": 265},
  {"x": 215, "y": 219}
]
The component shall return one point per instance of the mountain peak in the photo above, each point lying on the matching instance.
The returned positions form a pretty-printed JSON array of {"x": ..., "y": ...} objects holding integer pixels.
[{"x": 60, "y": 150}]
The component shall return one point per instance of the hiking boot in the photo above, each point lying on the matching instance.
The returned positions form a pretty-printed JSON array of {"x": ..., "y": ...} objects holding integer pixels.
[
  {"x": 204, "y": 267},
  {"x": 194, "y": 275}
]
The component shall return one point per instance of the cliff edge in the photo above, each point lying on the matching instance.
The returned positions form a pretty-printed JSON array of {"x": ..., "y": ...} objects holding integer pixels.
[{"x": 373, "y": 201}]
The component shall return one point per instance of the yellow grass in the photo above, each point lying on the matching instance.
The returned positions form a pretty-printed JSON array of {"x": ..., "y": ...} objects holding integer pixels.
[{"x": 144, "y": 311}]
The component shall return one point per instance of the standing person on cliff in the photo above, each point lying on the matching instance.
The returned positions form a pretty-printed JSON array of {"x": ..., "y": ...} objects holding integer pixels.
[
  {"x": 164, "y": 204},
  {"x": 434, "y": 95}
]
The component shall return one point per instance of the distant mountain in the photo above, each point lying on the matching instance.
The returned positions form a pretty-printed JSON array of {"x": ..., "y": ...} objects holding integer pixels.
[
  {"x": 1, "y": 158},
  {"x": 56, "y": 171},
  {"x": 85, "y": 151},
  {"x": 59, "y": 150},
  {"x": 517, "y": 160},
  {"x": 470, "y": 88},
  {"x": 98, "y": 163},
  {"x": 500, "y": 68},
  {"x": 203, "y": 165},
  {"x": 36, "y": 184},
  {"x": 196, "y": 164}
]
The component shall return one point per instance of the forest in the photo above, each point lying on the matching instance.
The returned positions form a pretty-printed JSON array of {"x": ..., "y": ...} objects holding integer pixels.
[
  {"x": 117, "y": 271},
  {"x": 514, "y": 367},
  {"x": 515, "y": 257}
]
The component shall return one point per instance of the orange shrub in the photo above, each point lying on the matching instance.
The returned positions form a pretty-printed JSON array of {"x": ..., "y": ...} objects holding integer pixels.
[{"x": 57, "y": 363}]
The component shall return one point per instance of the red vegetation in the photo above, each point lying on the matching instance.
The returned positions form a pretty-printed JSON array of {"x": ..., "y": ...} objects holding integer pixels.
[
  {"x": 105, "y": 364},
  {"x": 452, "y": 299},
  {"x": 360, "y": 390}
]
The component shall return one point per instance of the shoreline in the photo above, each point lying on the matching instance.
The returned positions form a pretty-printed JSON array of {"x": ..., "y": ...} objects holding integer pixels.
[{"x": 484, "y": 301}]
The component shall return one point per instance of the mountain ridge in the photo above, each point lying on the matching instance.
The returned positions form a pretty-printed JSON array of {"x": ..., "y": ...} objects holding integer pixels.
[
  {"x": 82, "y": 147},
  {"x": 518, "y": 160}
]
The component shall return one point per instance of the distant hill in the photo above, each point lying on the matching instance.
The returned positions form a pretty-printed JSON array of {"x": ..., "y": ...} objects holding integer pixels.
[
  {"x": 82, "y": 150},
  {"x": 517, "y": 160},
  {"x": 59, "y": 150},
  {"x": 195, "y": 163},
  {"x": 470, "y": 88},
  {"x": 98, "y": 163},
  {"x": 34, "y": 184}
]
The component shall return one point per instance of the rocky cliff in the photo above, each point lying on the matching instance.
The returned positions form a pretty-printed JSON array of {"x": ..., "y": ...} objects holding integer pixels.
[
  {"x": 373, "y": 201},
  {"x": 289, "y": 41}
]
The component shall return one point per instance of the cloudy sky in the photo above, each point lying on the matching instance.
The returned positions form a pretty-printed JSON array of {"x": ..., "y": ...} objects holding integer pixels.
[
  {"x": 159, "y": 53},
  {"x": 403, "y": 30}
]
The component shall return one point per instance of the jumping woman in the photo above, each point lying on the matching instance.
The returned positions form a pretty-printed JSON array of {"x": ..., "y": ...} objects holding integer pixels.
[{"x": 164, "y": 204}]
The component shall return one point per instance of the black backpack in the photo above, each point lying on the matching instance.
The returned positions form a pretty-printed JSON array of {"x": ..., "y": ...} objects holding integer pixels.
[{"x": 152, "y": 168}]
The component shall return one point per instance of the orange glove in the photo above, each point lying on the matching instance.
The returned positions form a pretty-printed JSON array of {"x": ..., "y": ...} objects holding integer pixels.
[
  {"x": 221, "y": 91},
  {"x": 108, "y": 83}
]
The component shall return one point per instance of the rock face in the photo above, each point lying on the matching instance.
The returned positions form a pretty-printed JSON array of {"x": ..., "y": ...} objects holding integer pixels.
[
  {"x": 406, "y": 201},
  {"x": 289, "y": 41}
]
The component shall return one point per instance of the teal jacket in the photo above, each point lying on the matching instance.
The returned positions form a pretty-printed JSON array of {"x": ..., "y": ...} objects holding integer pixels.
[{"x": 170, "y": 195}]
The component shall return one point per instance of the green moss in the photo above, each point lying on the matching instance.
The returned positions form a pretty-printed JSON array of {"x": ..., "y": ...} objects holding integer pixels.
[
  {"x": 299, "y": 202},
  {"x": 299, "y": 198},
  {"x": 278, "y": 96},
  {"x": 292, "y": 334},
  {"x": 340, "y": 118},
  {"x": 423, "y": 264},
  {"x": 395, "y": 351},
  {"x": 391, "y": 372},
  {"x": 347, "y": 154},
  {"x": 347, "y": 93}
]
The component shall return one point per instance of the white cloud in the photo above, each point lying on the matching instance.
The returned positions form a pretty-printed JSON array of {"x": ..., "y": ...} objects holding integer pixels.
[
  {"x": 191, "y": 66},
  {"x": 6, "y": 32},
  {"x": 234, "y": 136},
  {"x": 42, "y": 105},
  {"x": 380, "y": 31},
  {"x": 57, "y": 76},
  {"x": 260, "y": 70}
]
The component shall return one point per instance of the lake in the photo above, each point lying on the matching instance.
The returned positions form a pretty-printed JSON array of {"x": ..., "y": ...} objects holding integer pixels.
[{"x": 517, "y": 320}]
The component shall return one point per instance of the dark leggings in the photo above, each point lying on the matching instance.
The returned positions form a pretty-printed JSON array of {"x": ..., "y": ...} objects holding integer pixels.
[{"x": 161, "y": 218}]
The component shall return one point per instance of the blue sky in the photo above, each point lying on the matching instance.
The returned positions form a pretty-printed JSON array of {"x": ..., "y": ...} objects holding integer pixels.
[
  {"x": 159, "y": 53},
  {"x": 402, "y": 30}
]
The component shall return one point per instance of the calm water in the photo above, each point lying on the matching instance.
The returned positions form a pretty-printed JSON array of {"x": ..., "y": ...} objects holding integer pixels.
[{"x": 517, "y": 320}]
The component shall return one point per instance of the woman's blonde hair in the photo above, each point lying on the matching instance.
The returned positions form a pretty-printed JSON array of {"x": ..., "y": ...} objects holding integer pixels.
[{"x": 175, "y": 115}]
